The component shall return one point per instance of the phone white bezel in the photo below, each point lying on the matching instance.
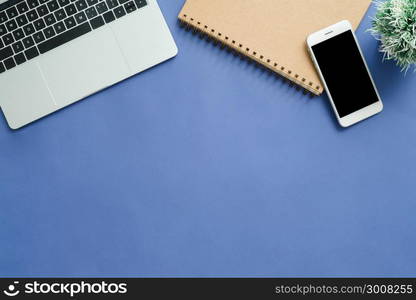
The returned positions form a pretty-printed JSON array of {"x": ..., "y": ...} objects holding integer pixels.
[{"x": 326, "y": 34}]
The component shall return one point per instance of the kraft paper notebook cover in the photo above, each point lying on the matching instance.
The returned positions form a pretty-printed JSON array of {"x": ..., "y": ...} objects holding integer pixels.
[{"x": 272, "y": 32}]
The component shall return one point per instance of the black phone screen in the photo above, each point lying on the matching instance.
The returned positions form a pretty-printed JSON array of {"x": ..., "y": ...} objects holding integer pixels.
[{"x": 345, "y": 73}]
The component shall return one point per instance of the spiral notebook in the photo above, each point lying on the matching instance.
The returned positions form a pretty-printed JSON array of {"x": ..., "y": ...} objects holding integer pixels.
[{"x": 272, "y": 32}]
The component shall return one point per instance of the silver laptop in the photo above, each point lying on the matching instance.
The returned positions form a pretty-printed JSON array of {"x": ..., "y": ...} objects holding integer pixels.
[{"x": 56, "y": 52}]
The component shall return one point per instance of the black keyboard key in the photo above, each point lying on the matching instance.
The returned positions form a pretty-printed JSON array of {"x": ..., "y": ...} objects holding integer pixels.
[
  {"x": 11, "y": 25},
  {"x": 70, "y": 9},
  {"x": 80, "y": 17},
  {"x": 11, "y": 12},
  {"x": 49, "y": 32},
  {"x": 28, "y": 42},
  {"x": 3, "y": 29},
  {"x": 97, "y": 22},
  {"x": 91, "y": 12},
  {"x": 43, "y": 1},
  {"x": 101, "y": 7},
  {"x": 32, "y": 15},
  {"x": 29, "y": 29},
  {"x": 42, "y": 10},
  {"x": 3, "y": 17},
  {"x": 112, "y": 3},
  {"x": 21, "y": 20},
  {"x": 119, "y": 11},
  {"x": 1, "y": 44},
  {"x": 9, "y": 63},
  {"x": 59, "y": 27},
  {"x": 109, "y": 17},
  {"x": 63, "y": 3},
  {"x": 17, "y": 47},
  {"x": 2, "y": 68},
  {"x": 8, "y": 39},
  {"x": 122, "y": 1},
  {"x": 38, "y": 37},
  {"x": 64, "y": 37},
  {"x": 22, "y": 7},
  {"x": 53, "y": 5},
  {"x": 18, "y": 34},
  {"x": 39, "y": 24},
  {"x": 140, "y": 3},
  {"x": 5, "y": 53},
  {"x": 32, "y": 3},
  {"x": 92, "y": 2},
  {"x": 81, "y": 5},
  {"x": 130, "y": 7},
  {"x": 31, "y": 53},
  {"x": 60, "y": 14},
  {"x": 70, "y": 22},
  {"x": 20, "y": 58},
  {"x": 50, "y": 19}
]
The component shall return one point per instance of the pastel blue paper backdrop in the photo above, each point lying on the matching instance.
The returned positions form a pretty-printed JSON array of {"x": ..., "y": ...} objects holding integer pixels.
[{"x": 207, "y": 166}]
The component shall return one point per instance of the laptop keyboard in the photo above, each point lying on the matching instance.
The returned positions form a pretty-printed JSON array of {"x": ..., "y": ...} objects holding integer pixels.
[{"x": 33, "y": 27}]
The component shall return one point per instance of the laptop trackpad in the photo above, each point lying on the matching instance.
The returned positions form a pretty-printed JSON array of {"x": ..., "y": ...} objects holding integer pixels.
[{"x": 83, "y": 66}]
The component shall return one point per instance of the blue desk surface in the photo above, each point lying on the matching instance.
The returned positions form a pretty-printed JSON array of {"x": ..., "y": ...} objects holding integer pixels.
[{"x": 207, "y": 166}]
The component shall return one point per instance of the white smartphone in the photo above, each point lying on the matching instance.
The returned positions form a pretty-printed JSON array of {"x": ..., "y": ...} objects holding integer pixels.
[{"x": 341, "y": 65}]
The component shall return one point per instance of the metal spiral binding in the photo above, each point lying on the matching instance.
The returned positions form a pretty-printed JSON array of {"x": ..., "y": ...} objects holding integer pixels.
[{"x": 238, "y": 50}]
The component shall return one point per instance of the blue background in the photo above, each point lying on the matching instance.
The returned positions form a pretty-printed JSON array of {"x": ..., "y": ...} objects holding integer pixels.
[{"x": 208, "y": 166}]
